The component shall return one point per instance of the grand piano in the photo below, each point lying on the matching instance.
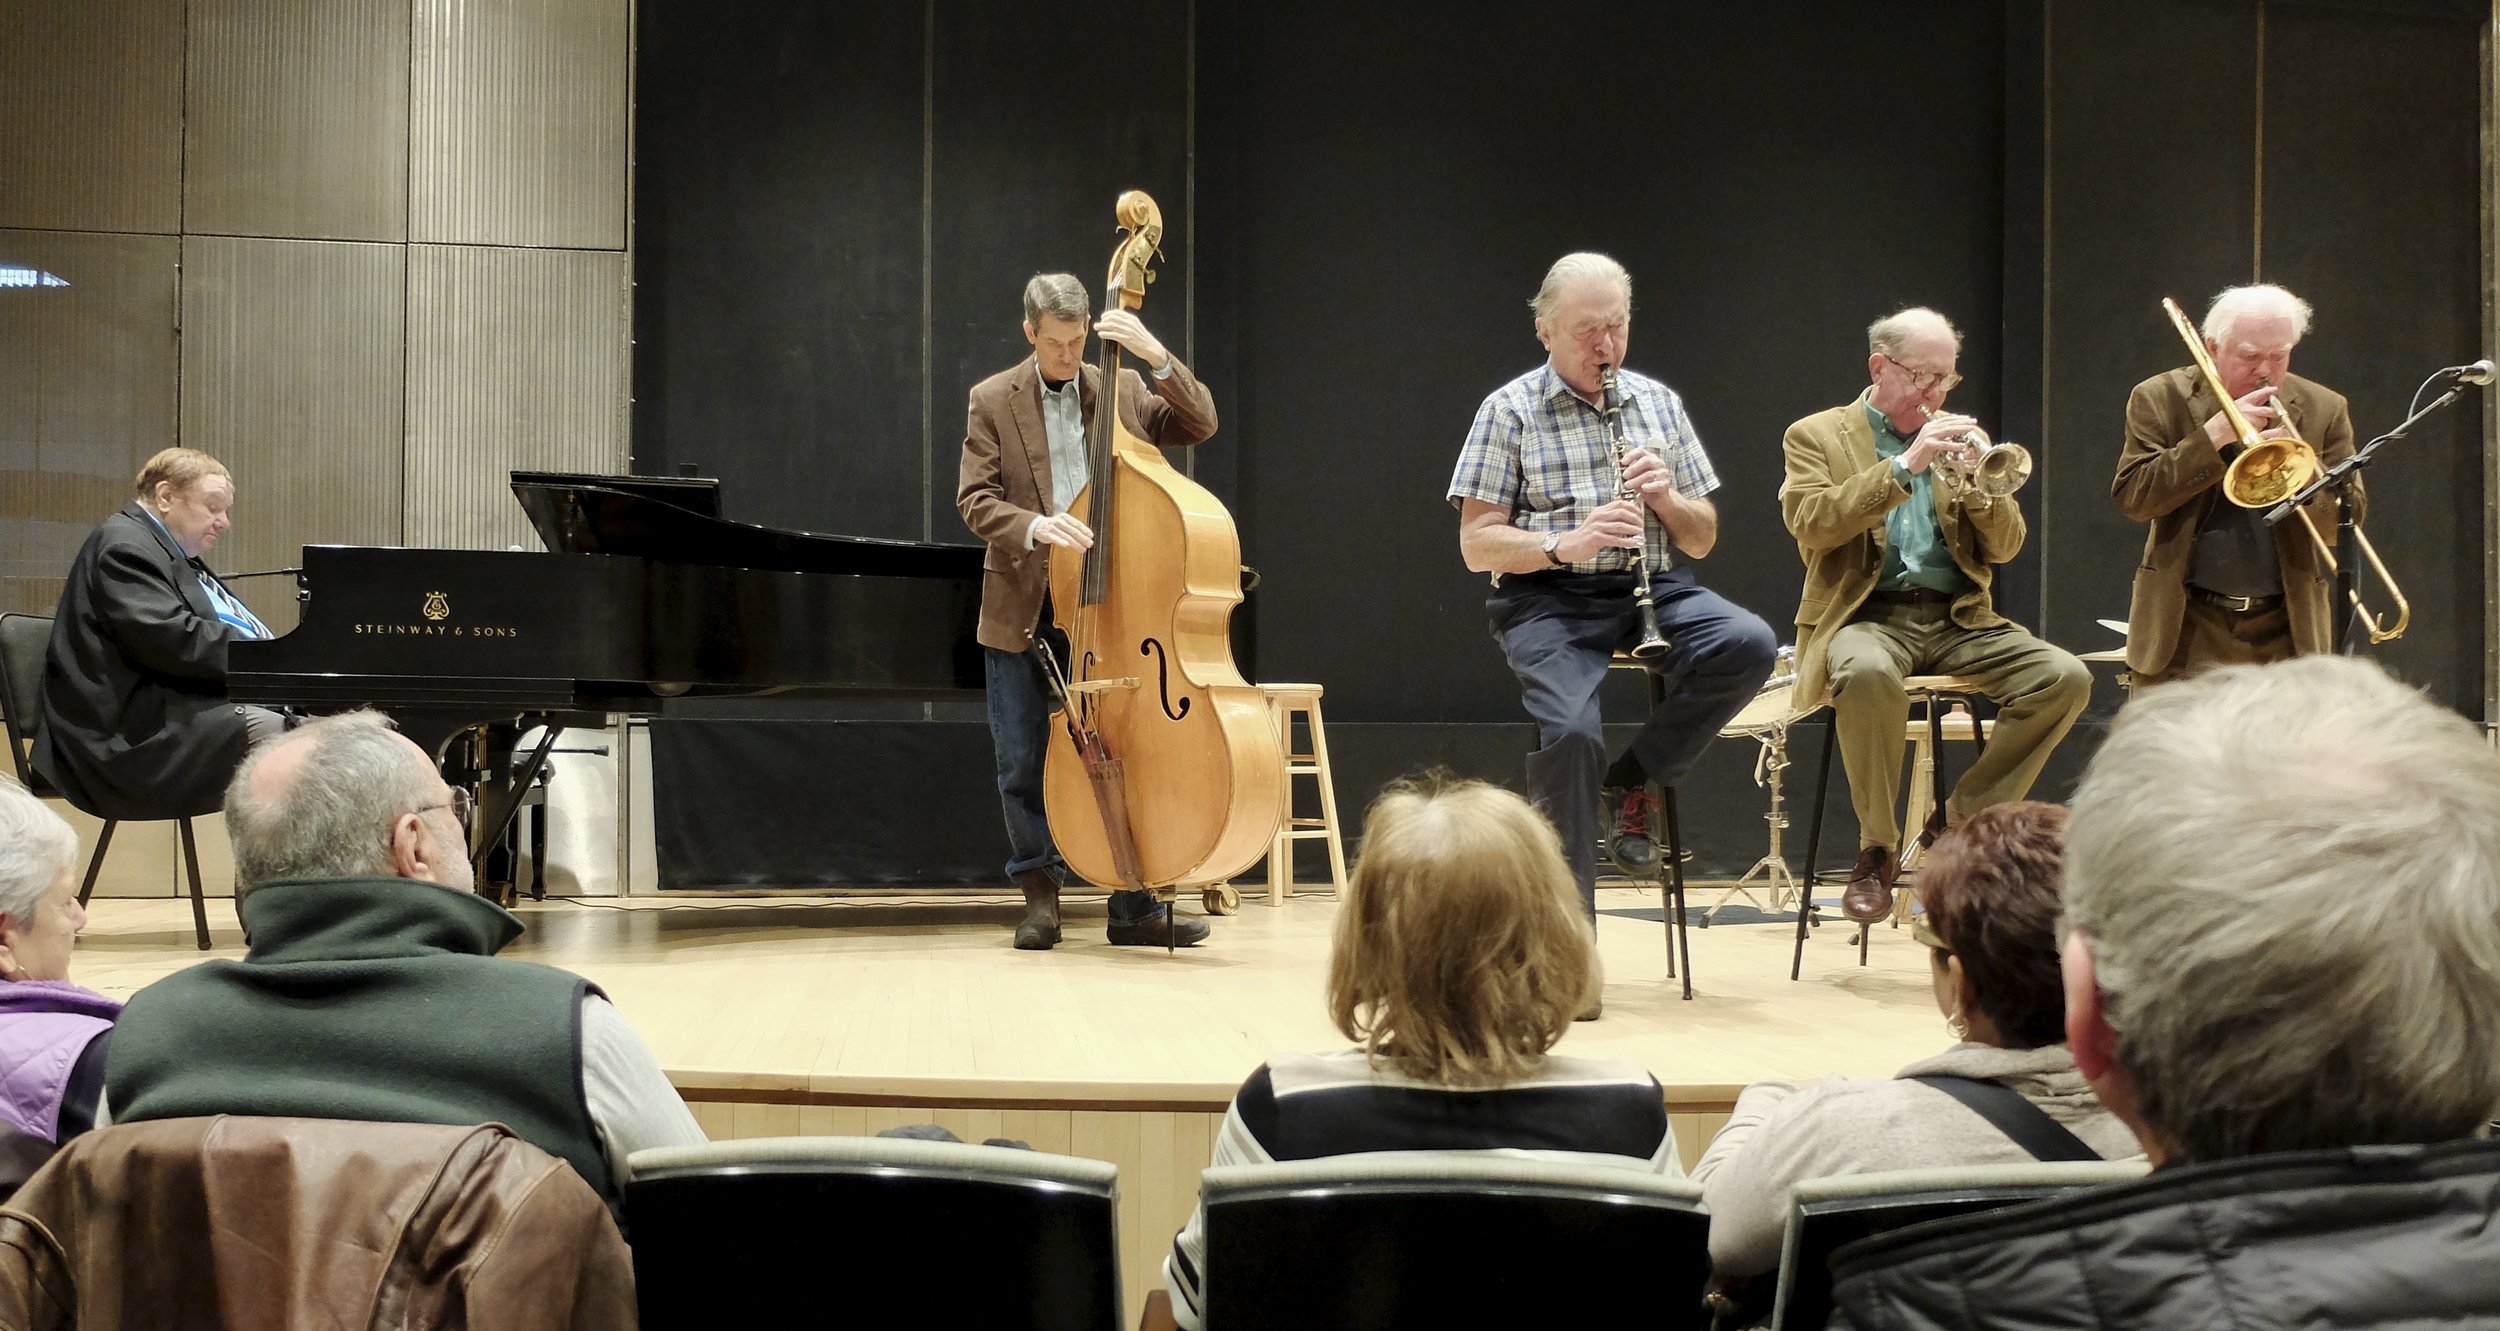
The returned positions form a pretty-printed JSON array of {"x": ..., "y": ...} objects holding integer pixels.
[{"x": 645, "y": 594}]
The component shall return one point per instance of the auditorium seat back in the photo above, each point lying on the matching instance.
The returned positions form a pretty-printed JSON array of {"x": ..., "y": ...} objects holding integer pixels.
[
  {"x": 1828, "y": 1213},
  {"x": 1397, "y": 1240},
  {"x": 23, "y": 639},
  {"x": 834, "y": 1231}
]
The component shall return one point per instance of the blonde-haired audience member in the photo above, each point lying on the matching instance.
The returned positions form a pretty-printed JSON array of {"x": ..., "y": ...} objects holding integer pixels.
[
  {"x": 1990, "y": 890},
  {"x": 1461, "y": 957}
]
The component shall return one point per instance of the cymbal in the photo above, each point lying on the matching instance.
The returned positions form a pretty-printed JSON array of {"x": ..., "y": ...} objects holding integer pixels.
[
  {"x": 2115, "y": 625},
  {"x": 2113, "y": 654}
]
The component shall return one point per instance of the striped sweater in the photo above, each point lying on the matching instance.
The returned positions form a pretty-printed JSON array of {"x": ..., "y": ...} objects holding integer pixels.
[{"x": 1307, "y": 1106}]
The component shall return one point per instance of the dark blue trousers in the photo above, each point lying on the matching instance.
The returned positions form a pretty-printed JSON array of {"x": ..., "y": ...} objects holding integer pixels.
[{"x": 1560, "y": 631}]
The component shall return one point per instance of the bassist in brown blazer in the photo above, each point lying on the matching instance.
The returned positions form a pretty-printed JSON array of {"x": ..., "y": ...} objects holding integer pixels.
[
  {"x": 2216, "y": 586},
  {"x": 1023, "y": 464}
]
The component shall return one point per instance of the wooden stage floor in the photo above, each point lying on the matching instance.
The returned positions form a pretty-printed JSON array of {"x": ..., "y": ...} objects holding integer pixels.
[{"x": 784, "y": 1016}]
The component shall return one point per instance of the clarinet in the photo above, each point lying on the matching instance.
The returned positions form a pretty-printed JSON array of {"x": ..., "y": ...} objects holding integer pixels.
[{"x": 1652, "y": 643}]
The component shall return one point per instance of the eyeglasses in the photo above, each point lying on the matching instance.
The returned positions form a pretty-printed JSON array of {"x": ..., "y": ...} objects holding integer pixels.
[
  {"x": 461, "y": 806},
  {"x": 1927, "y": 381},
  {"x": 1926, "y": 937}
]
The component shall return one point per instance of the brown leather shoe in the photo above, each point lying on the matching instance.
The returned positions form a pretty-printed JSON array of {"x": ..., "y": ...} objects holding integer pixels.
[
  {"x": 1039, "y": 930},
  {"x": 1868, "y": 897},
  {"x": 1933, "y": 829}
]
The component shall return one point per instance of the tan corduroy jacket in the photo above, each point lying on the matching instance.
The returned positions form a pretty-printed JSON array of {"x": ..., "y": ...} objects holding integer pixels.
[
  {"x": 1835, "y": 498},
  {"x": 1004, "y": 480},
  {"x": 2168, "y": 474}
]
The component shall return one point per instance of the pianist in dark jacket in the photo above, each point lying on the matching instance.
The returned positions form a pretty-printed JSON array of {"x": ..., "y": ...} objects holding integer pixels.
[{"x": 134, "y": 720}]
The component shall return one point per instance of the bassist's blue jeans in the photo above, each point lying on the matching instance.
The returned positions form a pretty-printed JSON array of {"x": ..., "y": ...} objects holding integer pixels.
[{"x": 1020, "y": 722}]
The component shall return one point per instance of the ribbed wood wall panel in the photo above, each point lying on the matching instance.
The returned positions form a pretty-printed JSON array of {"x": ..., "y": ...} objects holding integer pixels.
[
  {"x": 91, "y": 114},
  {"x": 87, "y": 391},
  {"x": 291, "y": 375},
  {"x": 517, "y": 122},
  {"x": 297, "y": 119},
  {"x": 516, "y": 359}
]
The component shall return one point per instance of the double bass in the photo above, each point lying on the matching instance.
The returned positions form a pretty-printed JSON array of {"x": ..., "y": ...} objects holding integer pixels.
[{"x": 1165, "y": 768}]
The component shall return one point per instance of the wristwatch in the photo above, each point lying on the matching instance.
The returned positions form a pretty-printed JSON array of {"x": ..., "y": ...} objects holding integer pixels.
[{"x": 1553, "y": 548}]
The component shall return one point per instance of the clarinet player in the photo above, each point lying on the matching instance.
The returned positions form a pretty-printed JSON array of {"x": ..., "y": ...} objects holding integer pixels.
[{"x": 1546, "y": 509}]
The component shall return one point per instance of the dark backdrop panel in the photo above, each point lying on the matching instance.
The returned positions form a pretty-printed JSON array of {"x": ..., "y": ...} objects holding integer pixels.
[
  {"x": 1036, "y": 135},
  {"x": 2150, "y": 146},
  {"x": 1413, "y": 183},
  {"x": 2372, "y": 213},
  {"x": 778, "y": 259}
]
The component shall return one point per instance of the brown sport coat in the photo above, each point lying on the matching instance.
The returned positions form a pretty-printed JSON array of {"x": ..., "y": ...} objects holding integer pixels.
[
  {"x": 1835, "y": 498},
  {"x": 1004, "y": 481},
  {"x": 2169, "y": 474}
]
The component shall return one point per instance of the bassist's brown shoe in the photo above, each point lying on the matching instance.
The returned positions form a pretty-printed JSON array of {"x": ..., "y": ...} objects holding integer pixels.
[{"x": 1039, "y": 930}]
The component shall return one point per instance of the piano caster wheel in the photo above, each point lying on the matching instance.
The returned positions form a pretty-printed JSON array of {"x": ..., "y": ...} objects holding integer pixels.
[{"x": 1220, "y": 899}]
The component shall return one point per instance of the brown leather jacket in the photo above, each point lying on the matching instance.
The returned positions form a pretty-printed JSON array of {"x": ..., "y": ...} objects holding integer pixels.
[
  {"x": 285, "y": 1223},
  {"x": 1003, "y": 481}
]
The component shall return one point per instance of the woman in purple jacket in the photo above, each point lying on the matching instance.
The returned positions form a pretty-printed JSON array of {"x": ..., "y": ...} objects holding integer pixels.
[{"x": 52, "y": 1033}]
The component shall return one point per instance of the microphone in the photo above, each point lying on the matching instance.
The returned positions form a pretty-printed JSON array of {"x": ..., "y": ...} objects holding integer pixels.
[{"x": 2481, "y": 372}]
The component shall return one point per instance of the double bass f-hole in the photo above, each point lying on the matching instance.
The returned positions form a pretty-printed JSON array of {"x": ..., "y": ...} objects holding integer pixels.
[{"x": 1163, "y": 678}]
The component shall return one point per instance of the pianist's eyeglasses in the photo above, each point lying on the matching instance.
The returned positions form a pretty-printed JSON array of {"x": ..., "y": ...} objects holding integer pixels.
[{"x": 460, "y": 805}]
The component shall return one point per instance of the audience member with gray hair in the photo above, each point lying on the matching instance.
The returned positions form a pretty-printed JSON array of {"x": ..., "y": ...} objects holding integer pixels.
[
  {"x": 371, "y": 989},
  {"x": 53, "y": 1034},
  {"x": 2282, "y": 966},
  {"x": 2217, "y": 586}
]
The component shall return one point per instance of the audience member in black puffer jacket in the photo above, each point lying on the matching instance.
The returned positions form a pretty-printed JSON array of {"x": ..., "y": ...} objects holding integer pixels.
[{"x": 2283, "y": 971}]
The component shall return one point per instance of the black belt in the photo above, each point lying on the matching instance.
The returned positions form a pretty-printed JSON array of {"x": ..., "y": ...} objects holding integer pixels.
[
  {"x": 2241, "y": 605},
  {"x": 1911, "y": 596}
]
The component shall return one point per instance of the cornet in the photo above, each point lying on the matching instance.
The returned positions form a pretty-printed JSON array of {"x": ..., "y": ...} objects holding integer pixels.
[
  {"x": 1987, "y": 469},
  {"x": 2269, "y": 471}
]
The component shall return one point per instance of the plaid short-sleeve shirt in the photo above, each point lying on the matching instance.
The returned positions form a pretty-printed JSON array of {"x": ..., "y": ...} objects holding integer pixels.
[{"x": 1539, "y": 451}]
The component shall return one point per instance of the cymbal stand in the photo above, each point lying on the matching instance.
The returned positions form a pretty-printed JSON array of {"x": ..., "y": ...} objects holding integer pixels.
[{"x": 1772, "y": 868}]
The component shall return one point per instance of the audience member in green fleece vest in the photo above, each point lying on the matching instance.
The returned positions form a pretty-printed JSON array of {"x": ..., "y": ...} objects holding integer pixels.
[{"x": 371, "y": 989}]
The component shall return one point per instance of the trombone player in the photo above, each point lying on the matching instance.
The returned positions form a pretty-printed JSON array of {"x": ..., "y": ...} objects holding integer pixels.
[
  {"x": 2216, "y": 587},
  {"x": 1901, "y": 541}
]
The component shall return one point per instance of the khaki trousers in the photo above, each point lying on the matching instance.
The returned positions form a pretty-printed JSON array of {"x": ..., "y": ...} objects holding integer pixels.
[
  {"x": 2211, "y": 636},
  {"x": 2039, "y": 690}
]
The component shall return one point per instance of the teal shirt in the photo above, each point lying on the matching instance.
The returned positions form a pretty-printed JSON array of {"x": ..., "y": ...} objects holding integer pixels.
[{"x": 1915, "y": 554}]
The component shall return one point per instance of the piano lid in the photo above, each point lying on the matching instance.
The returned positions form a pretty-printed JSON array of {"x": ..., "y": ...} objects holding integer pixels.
[{"x": 678, "y": 520}]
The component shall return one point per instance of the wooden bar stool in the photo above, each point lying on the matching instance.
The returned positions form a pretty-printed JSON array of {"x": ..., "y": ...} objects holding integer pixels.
[
  {"x": 1283, "y": 701},
  {"x": 1927, "y": 731}
]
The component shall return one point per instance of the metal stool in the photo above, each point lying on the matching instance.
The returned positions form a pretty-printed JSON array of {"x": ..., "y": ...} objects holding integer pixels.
[
  {"x": 1930, "y": 692},
  {"x": 1283, "y": 701},
  {"x": 1670, "y": 879}
]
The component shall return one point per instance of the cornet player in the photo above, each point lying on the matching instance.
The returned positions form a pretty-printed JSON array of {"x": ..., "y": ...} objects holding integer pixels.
[
  {"x": 1900, "y": 550},
  {"x": 2216, "y": 587}
]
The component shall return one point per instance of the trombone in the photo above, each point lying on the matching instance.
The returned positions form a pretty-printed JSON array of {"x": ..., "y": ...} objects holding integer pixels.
[{"x": 2269, "y": 471}]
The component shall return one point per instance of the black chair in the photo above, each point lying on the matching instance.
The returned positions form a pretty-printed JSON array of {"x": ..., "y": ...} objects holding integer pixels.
[
  {"x": 1397, "y": 1240},
  {"x": 1829, "y": 1213},
  {"x": 1931, "y": 691},
  {"x": 819, "y": 1231},
  {"x": 23, "y": 640}
]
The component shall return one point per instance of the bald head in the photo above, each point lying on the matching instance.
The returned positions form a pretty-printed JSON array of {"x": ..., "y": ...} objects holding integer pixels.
[{"x": 343, "y": 797}]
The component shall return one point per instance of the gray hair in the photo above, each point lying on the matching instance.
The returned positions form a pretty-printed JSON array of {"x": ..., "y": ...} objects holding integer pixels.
[
  {"x": 2290, "y": 879},
  {"x": 1889, "y": 335},
  {"x": 1056, "y": 294},
  {"x": 334, "y": 819},
  {"x": 1571, "y": 270},
  {"x": 35, "y": 846},
  {"x": 2238, "y": 303}
]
